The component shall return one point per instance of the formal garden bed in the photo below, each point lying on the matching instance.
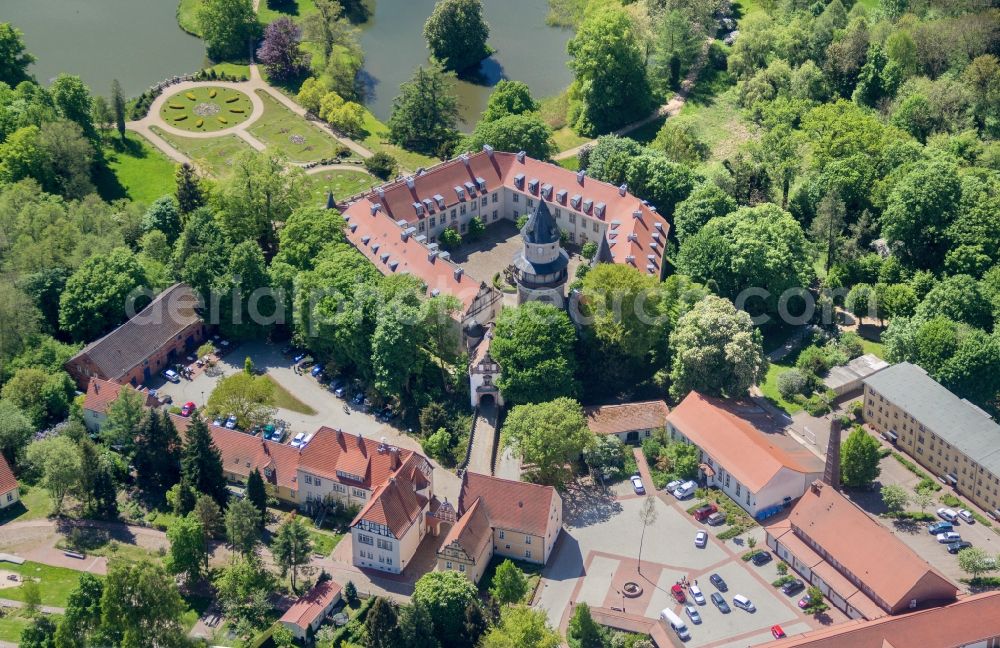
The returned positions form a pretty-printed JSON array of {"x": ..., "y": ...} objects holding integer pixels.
[
  {"x": 206, "y": 109},
  {"x": 282, "y": 130}
]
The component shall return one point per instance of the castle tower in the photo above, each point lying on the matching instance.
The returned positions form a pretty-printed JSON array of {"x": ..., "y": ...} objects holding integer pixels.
[{"x": 541, "y": 268}]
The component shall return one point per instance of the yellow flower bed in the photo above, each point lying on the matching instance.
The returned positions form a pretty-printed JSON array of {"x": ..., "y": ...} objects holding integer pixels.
[
  {"x": 181, "y": 118},
  {"x": 177, "y": 106},
  {"x": 236, "y": 110},
  {"x": 222, "y": 120},
  {"x": 212, "y": 93},
  {"x": 190, "y": 95},
  {"x": 200, "y": 123},
  {"x": 232, "y": 99}
]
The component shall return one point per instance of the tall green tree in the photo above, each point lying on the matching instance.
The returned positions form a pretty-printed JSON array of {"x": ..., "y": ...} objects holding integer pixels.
[
  {"x": 40, "y": 633},
  {"x": 306, "y": 232},
  {"x": 425, "y": 113},
  {"x": 243, "y": 527},
  {"x": 189, "y": 192},
  {"x": 73, "y": 100},
  {"x": 140, "y": 606},
  {"x": 118, "y": 107},
  {"x": 550, "y": 436},
  {"x": 859, "y": 460},
  {"x": 717, "y": 351},
  {"x": 456, "y": 34},
  {"x": 256, "y": 494},
  {"x": 382, "y": 624},
  {"x": 201, "y": 463},
  {"x": 678, "y": 43},
  {"x": 509, "y": 584},
  {"x": 414, "y": 621},
  {"x": 157, "y": 454},
  {"x": 57, "y": 460},
  {"x": 81, "y": 623},
  {"x": 248, "y": 308},
  {"x": 535, "y": 346},
  {"x": 14, "y": 57},
  {"x": 292, "y": 547},
  {"x": 98, "y": 293},
  {"x": 611, "y": 88},
  {"x": 249, "y": 398},
  {"x": 525, "y": 132},
  {"x": 705, "y": 202},
  {"x": 188, "y": 552},
  {"x": 42, "y": 396},
  {"x": 921, "y": 206},
  {"x": 98, "y": 487},
  {"x": 228, "y": 27},
  {"x": 244, "y": 587},
  {"x": 16, "y": 431},
  {"x": 509, "y": 98},
  {"x": 521, "y": 626},
  {"x": 446, "y": 595},
  {"x": 583, "y": 631}
]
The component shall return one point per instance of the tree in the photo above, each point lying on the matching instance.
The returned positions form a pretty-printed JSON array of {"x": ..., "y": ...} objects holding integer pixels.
[
  {"x": 607, "y": 457},
  {"x": 99, "y": 292},
  {"x": 101, "y": 114},
  {"x": 520, "y": 627},
  {"x": 32, "y": 596},
  {"x": 248, "y": 307},
  {"x": 256, "y": 495},
  {"x": 57, "y": 460},
  {"x": 328, "y": 27},
  {"x": 306, "y": 232},
  {"x": 450, "y": 239},
  {"x": 509, "y": 98},
  {"x": 118, "y": 107},
  {"x": 249, "y": 398},
  {"x": 919, "y": 209},
  {"x": 351, "y": 593},
  {"x": 16, "y": 431},
  {"x": 527, "y": 132},
  {"x": 898, "y": 300},
  {"x": 40, "y": 633},
  {"x": 14, "y": 58},
  {"x": 445, "y": 594},
  {"x": 535, "y": 345},
  {"x": 924, "y": 499},
  {"x": 210, "y": 516},
  {"x": 959, "y": 298},
  {"x": 895, "y": 498},
  {"x": 679, "y": 141},
  {"x": 68, "y": 156},
  {"x": 583, "y": 631},
  {"x": 201, "y": 463},
  {"x": 381, "y": 165},
  {"x": 292, "y": 547},
  {"x": 381, "y": 624},
  {"x": 456, "y": 34},
  {"x": 975, "y": 561},
  {"x": 243, "y": 527},
  {"x": 73, "y": 100},
  {"x": 550, "y": 436},
  {"x": 228, "y": 27},
  {"x": 280, "y": 51},
  {"x": 705, "y": 202},
  {"x": 678, "y": 43},
  {"x": 244, "y": 586},
  {"x": 189, "y": 193},
  {"x": 859, "y": 460},
  {"x": 611, "y": 87},
  {"x": 509, "y": 584},
  {"x": 140, "y": 605},
  {"x": 816, "y": 602},
  {"x": 97, "y": 487},
  {"x": 425, "y": 113},
  {"x": 188, "y": 552},
  {"x": 414, "y": 624},
  {"x": 42, "y": 397},
  {"x": 717, "y": 351},
  {"x": 157, "y": 454},
  {"x": 827, "y": 228},
  {"x": 165, "y": 216},
  {"x": 80, "y": 625},
  {"x": 647, "y": 516}
]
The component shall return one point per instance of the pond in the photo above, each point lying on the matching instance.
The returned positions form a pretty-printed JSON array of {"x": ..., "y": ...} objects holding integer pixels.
[
  {"x": 527, "y": 50},
  {"x": 136, "y": 41}
]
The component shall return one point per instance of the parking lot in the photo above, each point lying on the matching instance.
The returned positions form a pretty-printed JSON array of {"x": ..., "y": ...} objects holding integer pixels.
[{"x": 594, "y": 559}]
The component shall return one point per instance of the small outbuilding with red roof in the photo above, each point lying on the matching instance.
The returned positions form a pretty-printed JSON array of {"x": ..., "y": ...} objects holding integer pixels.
[
  {"x": 308, "y": 613},
  {"x": 10, "y": 491}
]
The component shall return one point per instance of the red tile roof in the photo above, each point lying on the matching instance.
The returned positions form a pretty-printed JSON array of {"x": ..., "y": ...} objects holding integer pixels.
[
  {"x": 395, "y": 504},
  {"x": 101, "y": 393},
  {"x": 312, "y": 605},
  {"x": 512, "y": 505},
  {"x": 634, "y": 230},
  {"x": 471, "y": 533},
  {"x": 731, "y": 438},
  {"x": 968, "y": 621},
  {"x": 625, "y": 417},
  {"x": 332, "y": 450},
  {"x": 870, "y": 552},
  {"x": 8, "y": 481}
]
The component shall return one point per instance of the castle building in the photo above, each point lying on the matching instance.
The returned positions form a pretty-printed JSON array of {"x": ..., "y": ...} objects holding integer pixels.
[{"x": 541, "y": 267}]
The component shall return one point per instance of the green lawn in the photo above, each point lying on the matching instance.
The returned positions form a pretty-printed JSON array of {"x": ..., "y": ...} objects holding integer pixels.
[
  {"x": 232, "y": 69},
  {"x": 566, "y": 138},
  {"x": 341, "y": 183},
  {"x": 770, "y": 388},
  {"x": 285, "y": 400},
  {"x": 873, "y": 347},
  {"x": 713, "y": 109},
  {"x": 324, "y": 542},
  {"x": 231, "y": 107},
  {"x": 282, "y": 130},
  {"x": 376, "y": 138},
  {"x": 187, "y": 17},
  {"x": 295, "y": 9},
  {"x": 34, "y": 504},
  {"x": 54, "y": 583},
  {"x": 571, "y": 163},
  {"x": 11, "y": 627},
  {"x": 216, "y": 154},
  {"x": 139, "y": 170}
]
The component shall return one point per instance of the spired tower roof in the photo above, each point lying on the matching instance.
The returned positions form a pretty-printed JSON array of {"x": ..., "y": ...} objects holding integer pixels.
[
  {"x": 603, "y": 252},
  {"x": 541, "y": 227}
]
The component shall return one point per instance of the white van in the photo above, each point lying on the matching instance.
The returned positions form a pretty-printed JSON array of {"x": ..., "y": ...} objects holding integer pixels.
[
  {"x": 297, "y": 441},
  {"x": 685, "y": 490},
  {"x": 744, "y": 603},
  {"x": 947, "y": 514},
  {"x": 675, "y": 622}
]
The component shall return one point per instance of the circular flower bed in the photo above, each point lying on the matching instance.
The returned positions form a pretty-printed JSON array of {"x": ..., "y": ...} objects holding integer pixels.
[
  {"x": 206, "y": 109},
  {"x": 632, "y": 590}
]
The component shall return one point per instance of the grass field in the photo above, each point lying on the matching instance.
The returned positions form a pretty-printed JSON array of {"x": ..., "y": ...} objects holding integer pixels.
[
  {"x": 873, "y": 347},
  {"x": 295, "y": 9},
  {"x": 54, "y": 583},
  {"x": 143, "y": 173},
  {"x": 341, "y": 183},
  {"x": 215, "y": 154},
  {"x": 34, "y": 504},
  {"x": 714, "y": 111},
  {"x": 11, "y": 626},
  {"x": 572, "y": 163},
  {"x": 187, "y": 16},
  {"x": 770, "y": 388},
  {"x": 232, "y": 69},
  {"x": 282, "y": 130},
  {"x": 376, "y": 138},
  {"x": 284, "y": 399},
  {"x": 324, "y": 542},
  {"x": 565, "y": 138},
  {"x": 231, "y": 107}
]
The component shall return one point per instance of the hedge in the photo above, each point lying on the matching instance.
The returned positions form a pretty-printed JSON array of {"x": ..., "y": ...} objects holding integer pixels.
[
  {"x": 181, "y": 118},
  {"x": 177, "y": 106},
  {"x": 925, "y": 480},
  {"x": 200, "y": 123},
  {"x": 223, "y": 120},
  {"x": 190, "y": 95},
  {"x": 232, "y": 99}
]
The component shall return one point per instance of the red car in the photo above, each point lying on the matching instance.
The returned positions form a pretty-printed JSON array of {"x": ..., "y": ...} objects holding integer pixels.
[
  {"x": 703, "y": 512},
  {"x": 187, "y": 409},
  {"x": 678, "y": 593},
  {"x": 777, "y": 632}
]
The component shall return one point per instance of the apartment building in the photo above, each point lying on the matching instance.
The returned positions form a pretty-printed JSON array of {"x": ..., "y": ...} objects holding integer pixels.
[{"x": 949, "y": 436}]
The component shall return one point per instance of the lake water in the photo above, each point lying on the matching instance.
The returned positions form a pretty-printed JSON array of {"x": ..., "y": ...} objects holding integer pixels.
[
  {"x": 527, "y": 50},
  {"x": 139, "y": 43},
  {"x": 136, "y": 41}
]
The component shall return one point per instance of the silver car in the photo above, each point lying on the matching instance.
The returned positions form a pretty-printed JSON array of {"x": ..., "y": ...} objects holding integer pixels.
[{"x": 693, "y": 614}]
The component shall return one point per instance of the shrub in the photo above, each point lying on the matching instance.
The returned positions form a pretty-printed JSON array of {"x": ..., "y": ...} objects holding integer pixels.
[
  {"x": 851, "y": 344},
  {"x": 926, "y": 482},
  {"x": 782, "y": 580},
  {"x": 223, "y": 120},
  {"x": 782, "y": 568},
  {"x": 792, "y": 382},
  {"x": 813, "y": 360},
  {"x": 450, "y": 238},
  {"x": 237, "y": 110},
  {"x": 475, "y": 229},
  {"x": 381, "y": 165},
  {"x": 200, "y": 123},
  {"x": 190, "y": 95},
  {"x": 731, "y": 533},
  {"x": 232, "y": 99},
  {"x": 816, "y": 405},
  {"x": 950, "y": 500},
  {"x": 180, "y": 118},
  {"x": 212, "y": 92}
]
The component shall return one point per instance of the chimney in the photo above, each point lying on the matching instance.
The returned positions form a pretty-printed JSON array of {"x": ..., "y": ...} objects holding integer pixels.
[
  {"x": 831, "y": 472},
  {"x": 520, "y": 156},
  {"x": 622, "y": 189},
  {"x": 488, "y": 150},
  {"x": 409, "y": 182},
  {"x": 579, "y": 175}
]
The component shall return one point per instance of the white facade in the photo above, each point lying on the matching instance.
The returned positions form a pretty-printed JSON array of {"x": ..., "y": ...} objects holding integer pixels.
[
  {"x": 315, "y": 488},
  {"x": 374, "y": 545},
  {"x": 10, "y": 497}
]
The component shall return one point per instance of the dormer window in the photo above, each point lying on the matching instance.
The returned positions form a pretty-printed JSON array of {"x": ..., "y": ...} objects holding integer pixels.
[
  {"x": 519, "y": 181},
  {"x": 481, "y": 183},
  {"x": 533, "y": 185},
  {"x": 575, "y": 201},
  {"x": 547, "y": 191},
  {"x": 588, "y": 204},
  {"x": 460, "y": 192}
]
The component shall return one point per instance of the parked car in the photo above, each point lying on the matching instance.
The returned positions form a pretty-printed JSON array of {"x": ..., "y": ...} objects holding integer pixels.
[
  {"x": 720, "y": 602},
  {"x": 702, "y": 513},
  {"x": 637, "y": 485},
  {"x": 692, "y": 613},
  {"x": 804, "y": 602},
  {"x": 939, "y": 527},
  {"x": 671, "y": 619},
  {"x": 947, "y": 514},
  {"x": 955, "y": 547},
  {"x": 949, "y": 537},
  {"x": 966, "y": 516},
  {"x": 298, "y": 358},
  {"x": 678, "y": 593},
  {"x": 358, "y": 398},
  {"x": 720, "y": 584},
  {"x": 278, "y": 434},
  {"x": 793, "y": 587},
  {"x": 672, "y": 486},
  {"x": 744, "y": 603},
  {"x": 685, "y": 490},
  {"x": 315, "y": 371},
  {"x": 171, "y": 375},
  {"x": 696, "y": 594},
  {"x": 339, "y": 392},
  {"x": 700, "y": 539},
  {"x": 218, "y": 422},
  {"x": 187, "y": 409},
  {"x": 761, "y": 558},
  {"x": 777, "y": 632},
  {"x": 717, "y": 518},
  {"x": 231, "y": 422},
  {"x": 298, "y": 439}
]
